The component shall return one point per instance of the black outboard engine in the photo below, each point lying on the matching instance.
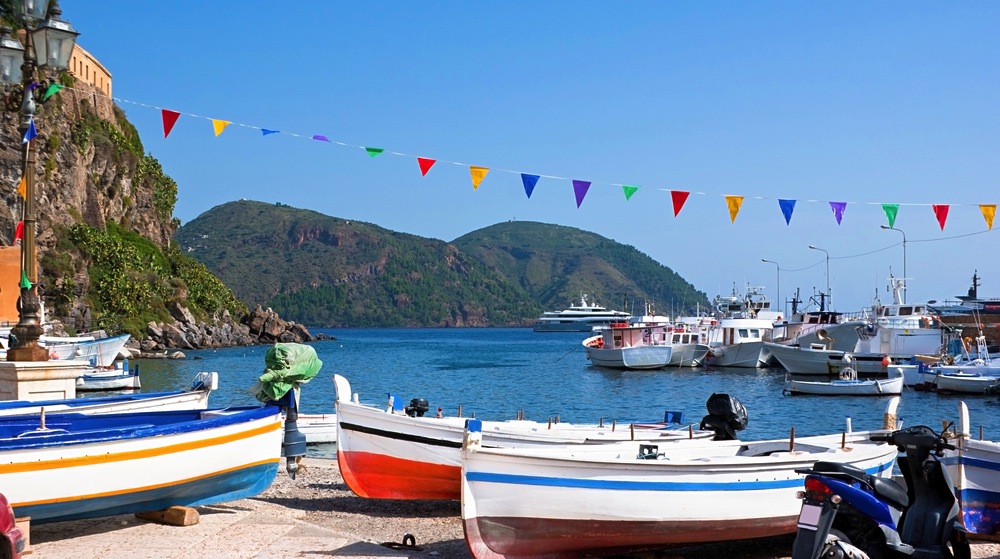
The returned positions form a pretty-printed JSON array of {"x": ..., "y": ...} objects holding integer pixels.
[
  {"x": 726, "y": 416},
  {"x": 417, "y": 408}
]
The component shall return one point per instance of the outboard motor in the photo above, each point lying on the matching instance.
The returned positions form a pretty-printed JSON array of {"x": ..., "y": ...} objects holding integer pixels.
[
  {"x": 726, "y": 416},
  {"x": 417, "y": 408}
]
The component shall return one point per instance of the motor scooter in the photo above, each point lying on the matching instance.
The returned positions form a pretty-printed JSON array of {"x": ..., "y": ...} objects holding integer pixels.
[{"x": 847, "y": 513}]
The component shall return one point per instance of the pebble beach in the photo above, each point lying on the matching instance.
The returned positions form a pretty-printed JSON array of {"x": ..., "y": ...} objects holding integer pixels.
[{"x": 350, "y": 525}]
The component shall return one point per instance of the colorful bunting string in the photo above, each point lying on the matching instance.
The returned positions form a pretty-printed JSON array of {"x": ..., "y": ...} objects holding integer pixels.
[{"x": 580, "y": 188}]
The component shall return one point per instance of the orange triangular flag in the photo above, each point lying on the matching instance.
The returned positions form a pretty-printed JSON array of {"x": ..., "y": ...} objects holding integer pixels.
[
  {"x": 734, "y": 203},
  {"x": 678, "y": 197},
  {"x": 169, "y": 120},
  {"x": 425, "y": 165},
  {"x": 219, "y": 126},
  {"x": 22, "y": 188},
  {"x": 477, "y": 175},
  {"x": 941, "y": 213},
  {"x": 989, "y": 212}
]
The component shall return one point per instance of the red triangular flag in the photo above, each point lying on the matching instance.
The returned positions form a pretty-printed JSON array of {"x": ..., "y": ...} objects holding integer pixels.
[
  {"x": 678, "y": 197},
  {"x": 425, "y": 165},
  {"x": 169, "y": 119},
  {"x": 941, "y": 212}
]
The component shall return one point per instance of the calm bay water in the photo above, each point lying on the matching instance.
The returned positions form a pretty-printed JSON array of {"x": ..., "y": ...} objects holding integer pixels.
[{"x": 494, "y": 373}]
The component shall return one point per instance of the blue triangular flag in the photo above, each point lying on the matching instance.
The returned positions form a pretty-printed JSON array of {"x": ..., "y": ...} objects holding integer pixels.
[
  {"x": 30, "y": 133},
  {"x": 529, "y": 183},
  {"x": 266, "y": 131},
  {"x": 787, "y": 207}
]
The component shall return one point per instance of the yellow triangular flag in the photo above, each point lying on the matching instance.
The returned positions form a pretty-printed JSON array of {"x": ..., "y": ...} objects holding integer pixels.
[
  {"x": 22, "y": 188},
  {"x": 989, "y": 212},
  {"x": 220, "y": 125},
  {"x": 477, "y": 175},
  {"x": 734, "y": 203}
]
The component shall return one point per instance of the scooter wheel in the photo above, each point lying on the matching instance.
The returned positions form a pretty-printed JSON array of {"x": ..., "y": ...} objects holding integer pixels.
[{"x": 836, "y": 548}]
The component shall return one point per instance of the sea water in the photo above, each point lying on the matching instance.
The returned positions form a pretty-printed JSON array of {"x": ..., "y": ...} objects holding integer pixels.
[{"x": 497, "y": 373}]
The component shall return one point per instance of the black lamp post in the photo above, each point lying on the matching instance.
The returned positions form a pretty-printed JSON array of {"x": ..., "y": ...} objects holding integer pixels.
[
  {"x": 49, "y": 43},
  {"x": 829, "y": 296}
]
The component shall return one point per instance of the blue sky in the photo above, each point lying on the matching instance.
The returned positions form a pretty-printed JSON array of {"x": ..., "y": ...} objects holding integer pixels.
[{"x": 858, "y": 102}]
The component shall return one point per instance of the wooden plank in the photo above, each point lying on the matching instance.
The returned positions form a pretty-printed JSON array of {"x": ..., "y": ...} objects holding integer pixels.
[{"x": 175, "y": 516}]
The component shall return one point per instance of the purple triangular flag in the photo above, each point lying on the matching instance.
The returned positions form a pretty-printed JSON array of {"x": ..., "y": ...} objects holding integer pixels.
[
  {"x": 580, "y": 188},
  {"x": 529, "y": 183},
  {"x": 838, "y": 210},
  {"x": 321, "y": 138}
]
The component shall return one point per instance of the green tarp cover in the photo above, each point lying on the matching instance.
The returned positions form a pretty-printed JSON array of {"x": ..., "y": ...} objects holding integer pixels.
[{"x": 286, "y": 367}]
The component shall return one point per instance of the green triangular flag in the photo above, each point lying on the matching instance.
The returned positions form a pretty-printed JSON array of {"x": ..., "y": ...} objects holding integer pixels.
[
  {"x": 52, "y": 90},
  {"x": 890, "y": 213},
  {"x": 629, "y": 190},
  {"x": 374, "y": 152},
  {"x": 25, "y": 284}
]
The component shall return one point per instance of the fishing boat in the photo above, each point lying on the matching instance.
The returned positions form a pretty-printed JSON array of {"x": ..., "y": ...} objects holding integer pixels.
[
  {"x": 961, "y": 382},
  {"x": 742, "y": 325},
  {"x": 99, "y": 352},
  {"x": 117, "y": 377},
  {"x": 898, "y": 332},
  {"x": 398, "y": 452},
  {"x": 847, "y": 385},
  {"x": 579, "y": 318},
  {"x": 71, "y": 466},
  {"x": 625, "y": 345},
  {"x": 974, "y": 468},
  {"x": 192, "y": 398},
  {"x": 566, "y": 502}
]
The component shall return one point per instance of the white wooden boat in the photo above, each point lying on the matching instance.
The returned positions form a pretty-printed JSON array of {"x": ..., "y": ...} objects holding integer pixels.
[
  {"x": 385, "y": 453},
  {"x": 961, "y": 382},
  {"x": 848, "y": 384},
  {"x": 974, "y": 468},
  {"x": 192, "y": 398},
  {"x": 562, "y": 502},
  {"x": 689, "y": 347},
  {"x": 69, "y": 466},
  {"x": 624, "y": 345},
  {"x": 99, "y": 352},
  {"x": 119, "y": 377},
  {"x": 319, "y": 428},
  {"x": 742, "y": 325}
]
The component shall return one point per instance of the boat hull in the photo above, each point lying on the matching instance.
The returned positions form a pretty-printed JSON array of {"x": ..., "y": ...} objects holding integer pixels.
[
  {"x": 875, "y": 387},
  {"x": 385, "y": 455},
  {"x": 745, "y": 355},
  {"x": 974, "y": 468},
  {"x": 552, "y": 503},
  {"x": 639, "y": 357},
  {"x": 963, "y": 383},
  {"x": 129, "y": 465},
  {"x": 100, "y": 352}
]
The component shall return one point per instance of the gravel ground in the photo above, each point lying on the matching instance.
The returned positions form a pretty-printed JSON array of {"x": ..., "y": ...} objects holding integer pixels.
[{"x": 319, "y": 491}]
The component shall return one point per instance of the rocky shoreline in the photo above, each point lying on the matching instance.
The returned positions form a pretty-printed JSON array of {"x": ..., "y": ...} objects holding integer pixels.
[{"x": 258, "y": 327}]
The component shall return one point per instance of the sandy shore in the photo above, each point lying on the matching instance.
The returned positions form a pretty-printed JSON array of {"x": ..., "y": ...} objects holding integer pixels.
[{"x": 319, "y": 492}]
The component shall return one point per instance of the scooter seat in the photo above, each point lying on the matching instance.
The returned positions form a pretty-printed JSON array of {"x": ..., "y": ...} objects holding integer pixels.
[
  {"x": 890, "y": 491},
  {"x": 846, "y": 470}
]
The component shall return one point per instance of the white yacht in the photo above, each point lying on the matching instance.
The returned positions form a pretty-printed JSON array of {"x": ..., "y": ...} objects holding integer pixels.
[{"x": 579, "y": 318}]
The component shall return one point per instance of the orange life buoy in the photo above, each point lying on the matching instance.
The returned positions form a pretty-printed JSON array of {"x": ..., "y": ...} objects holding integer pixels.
[{"x": 600, "y": 343}]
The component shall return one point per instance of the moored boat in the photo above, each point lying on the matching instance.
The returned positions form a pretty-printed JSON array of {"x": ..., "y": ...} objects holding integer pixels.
[
  {"x": 109, "y": 378},
  {"x": 623, "y": 345},
  {"x": 974, "y": 468},
  {"x": 579, "y": 318},
  {"x": 70, "y": 466},
  {"x": 847, "y": 385},
  {"x": 398, "y": 452},
  {"x": 562, "y": 502}
]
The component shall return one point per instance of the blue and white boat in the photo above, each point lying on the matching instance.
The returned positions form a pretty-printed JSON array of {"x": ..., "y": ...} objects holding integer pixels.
[
  {"x": 974, "y": 467},
  {"x": 72, "y": 466}
]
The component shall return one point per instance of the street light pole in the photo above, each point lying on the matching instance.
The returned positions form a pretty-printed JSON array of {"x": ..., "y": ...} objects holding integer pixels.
[
  {"x": 48, "y": 44},
  {"x": 829, "y": 295},
  {"x": 777, "y": 288},
  {"x": 904, "y": 254}
]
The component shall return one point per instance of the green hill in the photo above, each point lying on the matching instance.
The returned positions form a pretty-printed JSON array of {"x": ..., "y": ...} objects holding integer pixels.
[{"x": 326, "y": 271}]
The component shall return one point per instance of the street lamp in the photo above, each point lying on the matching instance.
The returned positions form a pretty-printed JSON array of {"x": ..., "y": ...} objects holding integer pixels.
[
  {"x": 829, "y": 296},
  {"x": 48, "y": 45},
  {"x": 777, "y": 274},
  {"x": 904, "y": 255}
]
